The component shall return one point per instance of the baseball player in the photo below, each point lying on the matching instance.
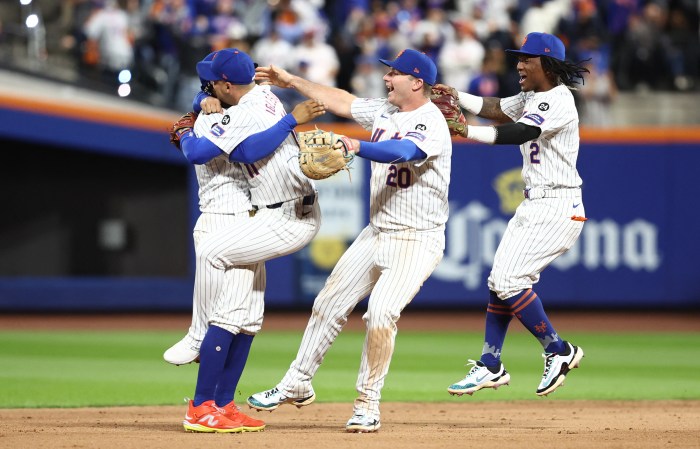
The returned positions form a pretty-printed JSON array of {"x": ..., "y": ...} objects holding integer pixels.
[
  {"x": 410, "y": 149},
  {"x": 254, "y": 132},
  {"x": 544, "y": 122}
]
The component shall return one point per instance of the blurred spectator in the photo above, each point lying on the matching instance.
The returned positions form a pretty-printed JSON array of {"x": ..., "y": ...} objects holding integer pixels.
[
  {"x": 651, "y": 44},
  {"x": 488, "y": 17},
  {"x": 598, "y": 92},
  {"x": 544, "y": 16},
  {"x": 367, "y": 81},
  {"x": 287, "y": 21},
  {"x": 684, "y": 49},
  {"x": 460, "y": 58},
  {"x": 226, "y": 28},
  {"x": 272, "y": 49},
  {"x": 108, "y": 28},
  {"x": 318, "y": 59},
  {"x": 431, "y": 33},
  {"x": 643, "y": 62}
]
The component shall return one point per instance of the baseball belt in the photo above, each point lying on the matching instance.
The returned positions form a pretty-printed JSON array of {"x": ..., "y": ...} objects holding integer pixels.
[
  {"x": 308, "y": 200},
  {"x": 537, "y": 192}
]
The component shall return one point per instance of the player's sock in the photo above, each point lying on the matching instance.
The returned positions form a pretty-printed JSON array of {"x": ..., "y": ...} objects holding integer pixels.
[
  {"x": 212, "y": 359},
  {"x": 498, "y": 317},
  {"x": 233, "y": 369},
  {"x": 528, "y": 308}
]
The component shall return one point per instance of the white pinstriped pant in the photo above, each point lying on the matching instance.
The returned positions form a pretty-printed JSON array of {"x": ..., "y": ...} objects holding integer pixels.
[
  {"x": 390, "y": 267},
  {"x": 540, "y": 231},
  {"x": 230, "y": 276},
  {"x": 207, "y": 290}
]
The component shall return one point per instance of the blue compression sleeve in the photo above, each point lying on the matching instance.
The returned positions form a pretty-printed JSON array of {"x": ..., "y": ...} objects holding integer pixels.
[
  {"x": 200, "y": 150},
  {"x": 391, "y": 151},
  {"x": 196, "y": 107},
  {"x": 262, "y": 144}
]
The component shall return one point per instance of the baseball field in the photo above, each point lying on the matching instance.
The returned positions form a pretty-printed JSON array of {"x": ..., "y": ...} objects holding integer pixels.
[{"x": 99, "y": 381}]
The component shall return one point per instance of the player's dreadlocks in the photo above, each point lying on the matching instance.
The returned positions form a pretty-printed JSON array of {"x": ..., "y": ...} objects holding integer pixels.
[{"x": 564, "y": 71}]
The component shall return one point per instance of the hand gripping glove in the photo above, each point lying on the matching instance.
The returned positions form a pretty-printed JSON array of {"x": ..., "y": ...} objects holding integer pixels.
[
  {"x": 446, "y": 99},
  {"x": 182, "y": 126},
  {"x": 323, "y": 153}
]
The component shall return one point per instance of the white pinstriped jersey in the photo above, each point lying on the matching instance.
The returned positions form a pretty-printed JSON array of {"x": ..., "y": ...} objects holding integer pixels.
[
  {"x": 223, "y": 188},
  {"x": 408, "y": 195},
  {"x": 276, "y": 178},
  {"x": 550, "y": 160}
]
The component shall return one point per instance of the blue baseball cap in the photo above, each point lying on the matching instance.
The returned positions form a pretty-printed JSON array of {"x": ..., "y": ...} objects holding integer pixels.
[
  {"x": 542, "y": 44},
  {"x": 207, "y": 58},
  {"x": 413, "y": 62},
  {"x": 231, "y": 65}
]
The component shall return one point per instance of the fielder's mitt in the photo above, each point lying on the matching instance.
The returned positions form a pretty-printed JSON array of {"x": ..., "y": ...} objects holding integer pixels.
[
  {"x": 182, "y": 126},
  {"x": 446, "y": 99},
  {"x": 323, "y": 153}
]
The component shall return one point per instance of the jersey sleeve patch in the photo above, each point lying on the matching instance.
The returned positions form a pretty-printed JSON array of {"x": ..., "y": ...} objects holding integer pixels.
[
  {"x": 535, "y": 118},
  {"x": 217, "y": 130},
  {"x": 415, "y": 135}
]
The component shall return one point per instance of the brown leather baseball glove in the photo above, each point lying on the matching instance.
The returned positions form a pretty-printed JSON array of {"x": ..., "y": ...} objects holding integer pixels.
[
  {"x": 183, "y": 125},
  {"x": 446, "y": 99}
]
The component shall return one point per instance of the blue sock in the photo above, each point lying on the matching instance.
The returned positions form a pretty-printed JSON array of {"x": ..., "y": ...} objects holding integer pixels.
[
  {"x": 233, "y": 369},
  {"x": 212, "y": 358},
  {"x": 498, "y": 317},
  {"x": 528, "y": 308}
]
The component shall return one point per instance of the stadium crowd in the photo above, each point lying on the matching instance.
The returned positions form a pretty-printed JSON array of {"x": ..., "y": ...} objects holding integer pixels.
[{"x": 630, "y": 44}]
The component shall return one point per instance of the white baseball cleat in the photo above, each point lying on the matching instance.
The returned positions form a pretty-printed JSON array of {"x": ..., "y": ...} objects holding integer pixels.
[
  {"x": 556, "y": 366},
  {"x": 181, "y": 353},
  {"x": 479, "y": 377},
  {"x": 269, "y": 400},
  {"x": 360, "y": 423}
]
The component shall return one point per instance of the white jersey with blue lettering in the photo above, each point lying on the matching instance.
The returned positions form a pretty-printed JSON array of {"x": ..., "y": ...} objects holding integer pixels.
[
  {"x": 408, "y": 194},
  {"x": 549, "y": 161},
  {"x": 553, "y": 207},
  {"x": 390, "y": 259},
  {"x": 274, "y": 179}
]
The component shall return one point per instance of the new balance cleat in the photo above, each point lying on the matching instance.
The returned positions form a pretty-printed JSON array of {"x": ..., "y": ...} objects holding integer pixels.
[
  {"x": 479, "y": 377},
  {"x": 232, "y": 412},
  {"x": 181, "y": 353},
  {"x": 209, "y": 418},
  {"x": 362, "y": 424},
  {"x": 271, "y": 399},
  {"x": 556, "y": 367}
]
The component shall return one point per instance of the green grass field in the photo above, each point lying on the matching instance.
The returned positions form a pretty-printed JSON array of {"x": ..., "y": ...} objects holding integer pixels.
[{"x": 75, "y": 369}]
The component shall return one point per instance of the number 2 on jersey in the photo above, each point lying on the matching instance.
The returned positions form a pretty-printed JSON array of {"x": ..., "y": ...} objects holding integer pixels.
[{"x": 535, "y": 154}]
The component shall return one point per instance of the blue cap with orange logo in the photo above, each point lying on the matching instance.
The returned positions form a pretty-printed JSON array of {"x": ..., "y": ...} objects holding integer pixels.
[
  {"x": 230, "y": 64},
  {"x": 542, "y": 44},
  {"x": 413, "y": 62}
]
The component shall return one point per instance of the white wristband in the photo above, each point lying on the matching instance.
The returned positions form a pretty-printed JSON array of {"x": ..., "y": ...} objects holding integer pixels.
[
  {"x": 471, "y": 103},
  {"x": 485, "y": 134}
]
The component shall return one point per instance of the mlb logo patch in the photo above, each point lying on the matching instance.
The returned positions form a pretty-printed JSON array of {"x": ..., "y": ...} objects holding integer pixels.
[{"x": 217, "y": 130}]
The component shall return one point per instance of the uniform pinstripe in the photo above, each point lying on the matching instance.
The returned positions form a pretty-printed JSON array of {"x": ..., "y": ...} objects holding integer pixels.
[
  {"x": 542, "y": 228},
  {"x": 224, "y": 202},
  {"x": 271, "y": 232},
  {"x": 390, "y": 259}
]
